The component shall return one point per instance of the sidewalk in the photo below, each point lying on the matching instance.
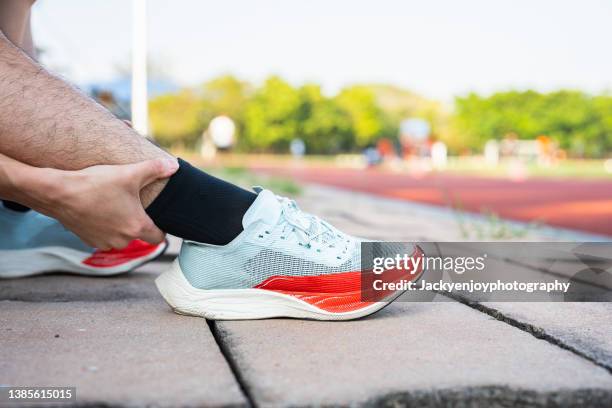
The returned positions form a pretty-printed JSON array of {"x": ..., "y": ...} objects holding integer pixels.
[{"x": 120, "y": 345}]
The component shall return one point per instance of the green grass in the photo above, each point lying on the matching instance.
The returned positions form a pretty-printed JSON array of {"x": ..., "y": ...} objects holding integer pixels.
[
  {"x": 492, "y": 227},
  {"x": 565, "y": 169},
  {"x": 246, "y": 179}
]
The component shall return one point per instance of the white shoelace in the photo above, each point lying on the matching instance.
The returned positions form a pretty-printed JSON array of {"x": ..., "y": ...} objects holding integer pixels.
[{"x": 310, "y": 227}]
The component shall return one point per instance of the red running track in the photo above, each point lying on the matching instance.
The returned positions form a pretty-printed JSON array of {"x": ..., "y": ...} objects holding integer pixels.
[{"x": 570, "y": 203}]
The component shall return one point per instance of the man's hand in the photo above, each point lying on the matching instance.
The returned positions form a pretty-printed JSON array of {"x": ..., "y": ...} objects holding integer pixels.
[{"x": 101, "y": 204}]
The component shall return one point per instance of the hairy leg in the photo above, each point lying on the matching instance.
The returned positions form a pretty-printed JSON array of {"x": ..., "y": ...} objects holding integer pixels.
[
  {"x": 15, "y": 23},
  {"x": 45, "y": 122}
]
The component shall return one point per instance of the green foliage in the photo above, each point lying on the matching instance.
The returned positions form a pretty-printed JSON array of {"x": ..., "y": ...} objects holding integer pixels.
[
  {"x": 324, "y": 126},
  {"x": 270, "y": 116},
  {"x": 398, "y": 104},
  {"x": 225, "y": 95},
  {"x": 176, "y": 118},
  {"x": 577, "y": 121},
  {"x": 367, "y": 118},
  {"x": 179, "y": 119}
]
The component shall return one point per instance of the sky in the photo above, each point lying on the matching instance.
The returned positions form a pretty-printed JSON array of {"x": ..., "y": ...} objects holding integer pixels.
[{"x": 438, "y": 48}]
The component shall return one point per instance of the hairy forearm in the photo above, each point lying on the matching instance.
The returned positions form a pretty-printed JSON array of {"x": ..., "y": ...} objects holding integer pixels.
[
  {"x": 45, "y": 122},
  {"x": 100, "y": 204},
  {"x": 28, "y": 185}
]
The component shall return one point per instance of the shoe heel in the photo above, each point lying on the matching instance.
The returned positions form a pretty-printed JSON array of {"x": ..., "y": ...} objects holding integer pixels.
[{"x": 173, "y": 287}]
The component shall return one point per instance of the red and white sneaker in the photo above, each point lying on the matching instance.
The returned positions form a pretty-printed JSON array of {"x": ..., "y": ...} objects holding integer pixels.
[
  {"x": 286, "y": 263},
  {"x": 33, "y": 244},
  {"x": 126, "y": 259},
  {"x": 19, "y": 263}
]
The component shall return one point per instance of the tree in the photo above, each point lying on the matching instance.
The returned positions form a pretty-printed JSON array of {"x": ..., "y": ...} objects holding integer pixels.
[
  {"x": 323, "y": 125},
  {"x": 367, "y": 119},
  {"x": 226, "y": 95},
  {"x": 577, "y": 121},
  {"x": 399, "y": 104},
  {"x": 603, "y": 110},
  {"x": 176, "y": 119},
  {"x": 271, "y": 116}
]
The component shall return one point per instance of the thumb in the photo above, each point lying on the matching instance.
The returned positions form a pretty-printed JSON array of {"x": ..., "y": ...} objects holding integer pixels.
[
  {"x": 146, "y": 172},
  {"x": 150, "y": 232}
]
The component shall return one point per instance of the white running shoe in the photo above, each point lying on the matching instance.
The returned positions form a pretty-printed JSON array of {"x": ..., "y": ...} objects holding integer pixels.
[{"x": 286, "y": 263}]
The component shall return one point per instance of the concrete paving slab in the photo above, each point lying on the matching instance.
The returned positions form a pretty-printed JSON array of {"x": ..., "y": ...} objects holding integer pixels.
[
  {"x": 498, "y": 268},
  {"x": 584, "y": 262},
  {"x": 121, "y": 353},
  {"x": 399, "y": 220},
  {"x": 65, "y": 288},
  {"x": 417, "y": 354},
  {"x": 120, "y": 344},
  {"x": 576, "y": 271},
  {"x": 584, "y": 327},
  {"x": 376, "y": 218}
]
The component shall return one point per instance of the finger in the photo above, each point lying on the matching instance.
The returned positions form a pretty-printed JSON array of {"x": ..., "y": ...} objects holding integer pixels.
[
  {"x": 119, "y": 243},
  {"x": 90, "y": 242},
  {"x": 152, "y": 234},
  {"x": 146, "y": 172},
  {"x": 127, "y": 122},
  {"x": 101, "y": 246}
]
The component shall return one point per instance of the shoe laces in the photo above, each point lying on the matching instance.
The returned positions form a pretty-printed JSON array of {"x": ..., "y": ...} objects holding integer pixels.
[{"x": 308, "y": 227}]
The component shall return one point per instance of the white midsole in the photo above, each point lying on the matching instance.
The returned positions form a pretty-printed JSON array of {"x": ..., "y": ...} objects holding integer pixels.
[
  {"x": 27, "y": 262},
  {"x": 240, "y": 304}
]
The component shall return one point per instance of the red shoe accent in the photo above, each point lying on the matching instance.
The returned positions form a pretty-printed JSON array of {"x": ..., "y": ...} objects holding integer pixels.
[
  {"x": 114, "y": 257},
  {"x": 338, "y": 292}
]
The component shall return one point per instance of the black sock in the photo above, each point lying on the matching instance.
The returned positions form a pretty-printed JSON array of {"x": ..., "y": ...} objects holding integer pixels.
[
  {"x": 199, "y": 207},
  {"x": 15, "y": 206}
]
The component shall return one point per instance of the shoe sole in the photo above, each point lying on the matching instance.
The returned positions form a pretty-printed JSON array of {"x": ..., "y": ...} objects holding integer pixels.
[
  {"x": 246, "y": 304},
  {"x": 38, "y": 261}
]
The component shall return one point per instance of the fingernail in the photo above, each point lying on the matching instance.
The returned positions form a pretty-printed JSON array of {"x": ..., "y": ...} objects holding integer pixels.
[{"x": 171, "y": 164}]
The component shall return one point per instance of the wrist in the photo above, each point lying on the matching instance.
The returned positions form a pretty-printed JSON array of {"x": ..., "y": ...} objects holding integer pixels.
[{"x": 38, "y": 188}]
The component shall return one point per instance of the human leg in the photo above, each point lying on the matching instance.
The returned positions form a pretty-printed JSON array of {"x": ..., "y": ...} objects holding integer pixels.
[
  {"x": 15, "y": 23},
  {"x": 45, "y": 122},
  {"x": 31, "y": 243}
]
